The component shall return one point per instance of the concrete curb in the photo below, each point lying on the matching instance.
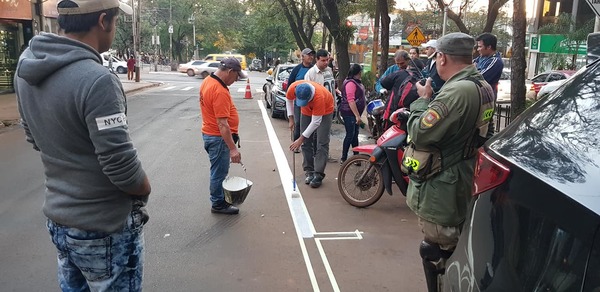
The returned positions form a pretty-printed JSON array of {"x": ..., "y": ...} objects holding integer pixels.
[{"x": 12, "y": 122}]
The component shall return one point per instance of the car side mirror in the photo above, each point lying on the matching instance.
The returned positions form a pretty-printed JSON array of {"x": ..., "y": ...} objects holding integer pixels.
[{"x": 270, "y": 79}]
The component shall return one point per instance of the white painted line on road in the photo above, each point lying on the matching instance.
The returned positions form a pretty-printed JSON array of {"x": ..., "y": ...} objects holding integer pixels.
[
  {"x": 187, "y": 88},
  {"x": 285, "y": 174},
  {"x": 332, "y": 280},
  {"x": 300, "y": 216},
  {"x": 168, "y": 88}
]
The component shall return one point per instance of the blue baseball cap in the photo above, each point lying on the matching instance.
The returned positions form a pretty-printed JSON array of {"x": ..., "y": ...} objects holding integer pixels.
[{"x": 304, "y": 94}]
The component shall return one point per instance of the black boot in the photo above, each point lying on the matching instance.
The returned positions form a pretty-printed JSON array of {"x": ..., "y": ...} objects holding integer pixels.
[{"x": 431, "y": 276}]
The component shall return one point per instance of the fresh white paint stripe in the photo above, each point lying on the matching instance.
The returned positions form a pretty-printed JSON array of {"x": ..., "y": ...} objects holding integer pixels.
[
  {"x": 332, "y": 280},
  {"x": 300, "y": 216},
  {"x": 187, "y": 88},
  {"x": 285, "y": 174},
  {"x": 168, "y": 88}
]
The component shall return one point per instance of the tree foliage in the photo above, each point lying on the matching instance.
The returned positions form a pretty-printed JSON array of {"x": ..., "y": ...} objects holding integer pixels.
[{"x": 492, "y": 13}]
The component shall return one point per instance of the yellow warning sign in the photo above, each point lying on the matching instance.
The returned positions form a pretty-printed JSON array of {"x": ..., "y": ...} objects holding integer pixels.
[{"x": 416, "y": 37}]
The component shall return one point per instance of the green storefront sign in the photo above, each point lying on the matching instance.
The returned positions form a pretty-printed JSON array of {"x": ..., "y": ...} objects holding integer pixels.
[{"x": 555, "y": 43}]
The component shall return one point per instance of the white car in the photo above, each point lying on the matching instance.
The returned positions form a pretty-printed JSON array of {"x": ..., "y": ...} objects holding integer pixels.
[
  {"x": 549, "y": 87},
  {"x": 189, "y": 67},
  {"x": 205, "y": 69},
  {"x": 504, "y": 87},
  {"x": 118, "y": 65}
]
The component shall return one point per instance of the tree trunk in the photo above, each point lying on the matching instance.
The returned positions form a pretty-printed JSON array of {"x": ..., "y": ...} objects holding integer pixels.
[
  {"x": 518, "y": 62},
  {"x": 375, "y": 41},
  {"x": 385, "y": 35},
  {"x": 342, "y": 57}
]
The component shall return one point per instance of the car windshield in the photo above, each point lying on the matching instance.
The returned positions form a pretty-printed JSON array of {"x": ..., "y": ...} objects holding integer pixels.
[{"x": 284, "y": 73}]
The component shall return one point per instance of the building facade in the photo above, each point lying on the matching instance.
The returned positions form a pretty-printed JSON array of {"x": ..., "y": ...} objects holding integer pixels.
[
  {"x": 20, "y": 20},
  {"x": 543, "y": 47}
]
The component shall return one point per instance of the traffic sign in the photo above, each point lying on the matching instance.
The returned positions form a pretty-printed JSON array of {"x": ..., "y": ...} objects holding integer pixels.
[
  {"x": 595, "y": 4},
  {"x": 416, "y": 37},
  {"x": 170, "y": 29}
]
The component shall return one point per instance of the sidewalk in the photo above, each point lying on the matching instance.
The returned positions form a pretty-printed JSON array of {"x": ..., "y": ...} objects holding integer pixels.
[{"x": 9, "y": 115}]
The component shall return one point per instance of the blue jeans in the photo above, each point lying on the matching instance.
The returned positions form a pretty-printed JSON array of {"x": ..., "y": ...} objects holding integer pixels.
[
  {"x": 100, "y": 261},
  {"x": 218, "y": 154},
  {"x": 351, "y": 136}
]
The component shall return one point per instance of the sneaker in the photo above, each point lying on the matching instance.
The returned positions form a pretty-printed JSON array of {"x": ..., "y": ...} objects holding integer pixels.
[
  {"x": 309, "y": 178},
  {"x": 225, "y": 208},
  {"x": 342, "y": 160},
  {"x": 317, "y": 181}
]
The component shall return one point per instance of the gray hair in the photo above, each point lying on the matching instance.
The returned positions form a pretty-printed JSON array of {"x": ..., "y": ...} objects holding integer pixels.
[{"x": 401, "y": 54}]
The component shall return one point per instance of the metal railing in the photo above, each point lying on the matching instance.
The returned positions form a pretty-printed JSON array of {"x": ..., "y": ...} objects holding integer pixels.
[{"x": 502, "y": 116}]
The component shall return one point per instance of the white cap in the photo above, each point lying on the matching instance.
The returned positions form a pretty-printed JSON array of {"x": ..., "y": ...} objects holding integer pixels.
[{"x": 430, "y": 43}]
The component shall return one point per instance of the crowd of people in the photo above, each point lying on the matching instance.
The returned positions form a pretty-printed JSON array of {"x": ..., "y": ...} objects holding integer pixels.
[{"x": 96, "y": 187}]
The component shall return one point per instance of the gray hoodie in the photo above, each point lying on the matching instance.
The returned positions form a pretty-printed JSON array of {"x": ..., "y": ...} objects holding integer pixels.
[{"x": 73, "y": 112}]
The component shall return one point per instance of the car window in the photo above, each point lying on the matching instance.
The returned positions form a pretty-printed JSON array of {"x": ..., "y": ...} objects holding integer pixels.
[
  {"x": 504, "y": 76},
  {"x": 198, "y": 63},
  {"x": 219, "y": 58},
  {"x": 214, "y": 65},
  {"x": 284, "y": 73},
  {"x": 540, "y": 78},
  {"x": 555, "y": 76}
]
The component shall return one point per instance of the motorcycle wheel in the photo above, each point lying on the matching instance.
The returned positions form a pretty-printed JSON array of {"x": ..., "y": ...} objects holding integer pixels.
[{"x": 363, "y": 193}]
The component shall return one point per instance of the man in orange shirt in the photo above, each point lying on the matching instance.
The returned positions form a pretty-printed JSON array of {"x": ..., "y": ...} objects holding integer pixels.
[
  {"x": 220, "y": 122},
  {"x": 316, "y": 104}
]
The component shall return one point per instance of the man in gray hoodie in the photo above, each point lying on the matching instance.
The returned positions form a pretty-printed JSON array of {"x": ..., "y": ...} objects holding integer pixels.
[{"x": 73, "y": 111}]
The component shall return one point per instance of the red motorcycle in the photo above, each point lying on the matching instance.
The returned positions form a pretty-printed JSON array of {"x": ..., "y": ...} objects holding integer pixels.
[{"x": 363, "y": 177}]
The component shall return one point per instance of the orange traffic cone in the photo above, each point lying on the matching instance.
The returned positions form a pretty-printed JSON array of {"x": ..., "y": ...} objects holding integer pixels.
[{"x": 248, "y": 90}]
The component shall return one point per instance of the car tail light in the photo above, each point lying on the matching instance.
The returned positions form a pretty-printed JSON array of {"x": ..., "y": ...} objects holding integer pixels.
[
  {"x": 489, "y": 173},
  {"x": 284, "y": 85}
]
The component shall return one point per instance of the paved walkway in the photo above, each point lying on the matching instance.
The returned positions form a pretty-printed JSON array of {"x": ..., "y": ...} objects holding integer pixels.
[{"x": 9, "y": 114}]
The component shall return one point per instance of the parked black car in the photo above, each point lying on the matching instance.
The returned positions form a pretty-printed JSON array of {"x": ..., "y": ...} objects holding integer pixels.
[
  {"x": 534, "y": 221},
  {"x": 275, "y": 89}
]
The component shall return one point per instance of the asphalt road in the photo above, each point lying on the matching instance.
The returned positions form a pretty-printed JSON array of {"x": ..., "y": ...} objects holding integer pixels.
[{"x": 277, "y": 243}]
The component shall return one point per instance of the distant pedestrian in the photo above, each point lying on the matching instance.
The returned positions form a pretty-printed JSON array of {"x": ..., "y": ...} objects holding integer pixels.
[
  {"x": 416, "y": 64},
  {"x": 489, "y": 62},
  {"x": 73, "y": 111},
  {"x": 490, "y": 65},
  {"x": 298, "y": 73},
  {"x": 316, "y": 105},
  {"x": 220, "y": 121},
  {"x": 430, "y": 70},
  {"x": 401, "y": 59},
  {"x": 130, "y": 67},
  {"x": 321, "y": 73},
  {"x": 351, "y": 108}
]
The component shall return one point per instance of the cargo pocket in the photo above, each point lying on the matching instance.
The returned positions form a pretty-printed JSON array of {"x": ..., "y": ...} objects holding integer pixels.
[{"x": 91, "y": 256}]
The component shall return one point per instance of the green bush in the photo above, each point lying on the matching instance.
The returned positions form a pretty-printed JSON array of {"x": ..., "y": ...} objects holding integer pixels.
[{"x": 368, "y": 80}]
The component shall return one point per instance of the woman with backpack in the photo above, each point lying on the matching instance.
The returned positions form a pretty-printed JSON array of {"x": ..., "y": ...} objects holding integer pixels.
[{"x": 352, "y": 107}]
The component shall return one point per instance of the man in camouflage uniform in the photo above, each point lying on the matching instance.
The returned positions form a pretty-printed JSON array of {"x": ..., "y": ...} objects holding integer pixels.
[{"x": 452, "y": 125}]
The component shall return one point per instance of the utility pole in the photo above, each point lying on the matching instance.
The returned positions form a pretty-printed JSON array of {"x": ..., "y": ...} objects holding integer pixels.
[
  {"x": 445, "y": 19},
  {"x": 138, "y": 59},
  {"x": 170, "y": 32},
  {"x": 192, "y": 20}
]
